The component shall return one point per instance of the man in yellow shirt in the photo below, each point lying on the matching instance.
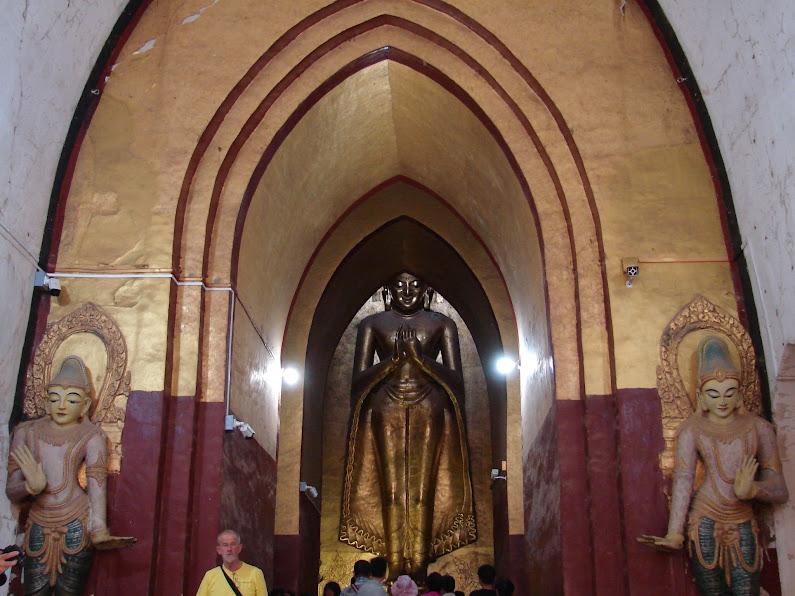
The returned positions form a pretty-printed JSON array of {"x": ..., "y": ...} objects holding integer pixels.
[{"x": 246, "y": 579}]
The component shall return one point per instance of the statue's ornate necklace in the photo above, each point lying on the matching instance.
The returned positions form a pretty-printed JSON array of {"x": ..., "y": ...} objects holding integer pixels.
[
  {"x": 57, "y": 436},
  {"x": 727, "y": 433},
  {"x": 74, "y": 437},
  {"x": 740, "y": 427}
]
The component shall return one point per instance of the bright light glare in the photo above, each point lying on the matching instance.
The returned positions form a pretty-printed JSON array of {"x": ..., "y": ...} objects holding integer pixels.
[
  {"x": 506, "y": 365},
  {"x": 530, "y": 363},
  {"x": 274, "y": 375},
  {"x": 290, "y": 375}
]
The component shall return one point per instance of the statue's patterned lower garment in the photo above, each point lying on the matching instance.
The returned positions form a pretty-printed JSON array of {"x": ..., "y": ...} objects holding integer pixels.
[
  {"x": 74, "y": 564},
  {"x": 738, "y": 545}
]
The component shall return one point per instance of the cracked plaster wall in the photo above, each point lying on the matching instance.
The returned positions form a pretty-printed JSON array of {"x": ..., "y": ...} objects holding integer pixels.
[
  {"x": 743, "y": 57},
  {"x": 48, "y": 49}
]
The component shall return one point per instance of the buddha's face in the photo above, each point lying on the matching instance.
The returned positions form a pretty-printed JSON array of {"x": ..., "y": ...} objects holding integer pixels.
[
  {"x": 408, "y": 293},
  {"x": 720, "y": 398},
  {"x": 66, "y": 405}
]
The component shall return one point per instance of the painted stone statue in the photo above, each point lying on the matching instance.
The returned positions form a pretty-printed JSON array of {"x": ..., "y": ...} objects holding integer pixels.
[
  {"x": 66, "y": 522},
  {"x": 741, "y": 463},
  {"x": 407, "y": 450}
]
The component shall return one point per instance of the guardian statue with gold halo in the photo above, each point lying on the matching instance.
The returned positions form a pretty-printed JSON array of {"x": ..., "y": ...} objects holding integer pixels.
[
  {"x": 66, "y": 521},
  {"x": 737, "y": 449}
]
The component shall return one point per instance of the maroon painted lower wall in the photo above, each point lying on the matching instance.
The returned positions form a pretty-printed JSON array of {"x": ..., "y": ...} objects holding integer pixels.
[
  {"x": 542, "y": 571},
  {"x": 287, "y": 561},
  {"x": 167, "y": 496},
  {"x": 770, "y": 579},
  {"x": 650, "y": 571},
  {"x": 174, "y": 501},
  {"x": 297, "y": 556},
  {"x": 204, "y": 514},
  {"x": 575, "y": 525},
  {"x": 505, "y": 555},
  {"x": 591, "y": 479},
  {"x": 248, "y": 499},
  {"x": 605, "y": 496},
  {"x": 309, "y": 528},
  {"x": 132, "y": 499}
]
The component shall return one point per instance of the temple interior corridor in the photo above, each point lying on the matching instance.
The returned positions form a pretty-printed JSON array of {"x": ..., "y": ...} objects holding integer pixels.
[{"x": 239, "y": 180}]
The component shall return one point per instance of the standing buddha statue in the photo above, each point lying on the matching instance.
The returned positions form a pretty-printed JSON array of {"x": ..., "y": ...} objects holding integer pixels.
[{"x": 407, "y": 452}]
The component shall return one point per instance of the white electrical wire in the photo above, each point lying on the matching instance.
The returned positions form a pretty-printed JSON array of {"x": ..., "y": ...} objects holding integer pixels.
[
  {"x": 227, "y": 389},
  {"x": 20, "y": 247}
]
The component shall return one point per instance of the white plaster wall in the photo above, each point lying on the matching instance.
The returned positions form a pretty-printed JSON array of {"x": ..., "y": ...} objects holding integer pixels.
[
  {"x": 47, "y": 51},
  {"x": 743, "y": 56}
]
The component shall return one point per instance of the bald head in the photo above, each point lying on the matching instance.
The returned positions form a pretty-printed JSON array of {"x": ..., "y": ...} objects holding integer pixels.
[{"x": 232, "y": 532}]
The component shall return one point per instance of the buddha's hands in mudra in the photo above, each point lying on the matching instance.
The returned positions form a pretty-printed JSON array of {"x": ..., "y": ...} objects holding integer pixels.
[
  {"x": 35, "y": 478},
  {"x": 667, "y": 543},
  {"x": 406, "y": 344}
]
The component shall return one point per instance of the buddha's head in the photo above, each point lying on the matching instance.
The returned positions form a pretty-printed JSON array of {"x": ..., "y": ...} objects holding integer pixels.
[
  {"x": 408, "y": 293},
  {"x": 68, "y": 399},
  {"x": 718, "y": 395}
]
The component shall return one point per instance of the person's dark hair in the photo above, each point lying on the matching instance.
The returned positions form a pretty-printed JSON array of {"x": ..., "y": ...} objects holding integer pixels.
[
  {"x": 334, "y": 587},
  {"x": 505, "y": 587},
  {"x": 278, "y": 592},
  {"x": 361, "y": 568},
  {"x": 448, "y": 583},
  {"x": 378, "y": 566},
  {"x": 459, "y": 593},
  {"x": 434, "y": 582},
  {"x": 486, "y": 574}
]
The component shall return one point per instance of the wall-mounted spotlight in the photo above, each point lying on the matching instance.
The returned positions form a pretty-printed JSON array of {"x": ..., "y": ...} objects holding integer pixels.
[
  {"x": 290, "y": 375},
  {"x": 631, "y": 269},
  {"x": 506, "y": 365}
]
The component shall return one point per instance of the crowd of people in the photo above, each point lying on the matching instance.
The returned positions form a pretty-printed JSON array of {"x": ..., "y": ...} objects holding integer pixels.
[
  {"x": 368, "y": 580},
  {"x": 369, "y": 577}
]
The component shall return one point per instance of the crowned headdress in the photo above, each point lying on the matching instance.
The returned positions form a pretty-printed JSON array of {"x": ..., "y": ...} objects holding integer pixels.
[
  {"x": 71, "y": 374},
  {"x": 715, "y": 362}
]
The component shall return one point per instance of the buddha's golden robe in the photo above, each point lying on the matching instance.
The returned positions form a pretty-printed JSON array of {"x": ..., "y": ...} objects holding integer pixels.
[{"x": 414, "y": 401}]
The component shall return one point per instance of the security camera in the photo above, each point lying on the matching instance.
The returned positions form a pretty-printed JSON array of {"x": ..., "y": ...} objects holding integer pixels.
[
  {"x": 309, "y": 489},
  {"x": 54, "y": 287},
  {"x": 245, "y": 429},
  {"x": 232, "y": 423},
  {"x": 51, "y": 284},
  {"x": 631, "y": 269}
]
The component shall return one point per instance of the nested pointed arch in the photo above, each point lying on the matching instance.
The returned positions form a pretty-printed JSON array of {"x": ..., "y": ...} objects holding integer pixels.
[
  {"x": 249, "y": 132},
  {"x": 399, "y": 224},
  {"x": 402, "y": 244}
]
